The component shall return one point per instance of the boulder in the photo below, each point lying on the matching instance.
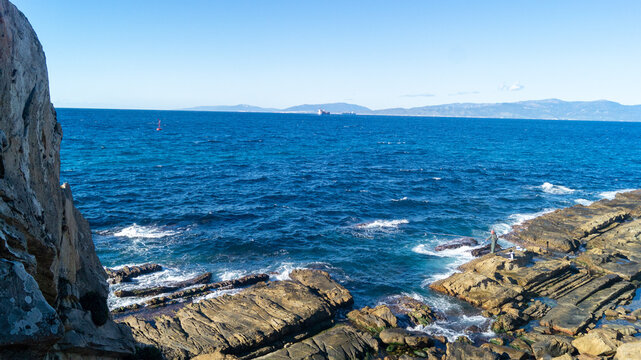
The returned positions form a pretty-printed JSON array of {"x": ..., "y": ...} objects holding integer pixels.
[
  {"x": 545, "y": 346},
  {"x": 629, "y": 351},
  {"x": 339, "y": 342},
  {"x": 404, "y": 337},
  {"x": 373, "y": 320},
  {"x": 596, "y": 343},
  {"x": 418, "y": 312},
  {"x": 505, "y": 351},
  {"x": 464, "y": 351}
]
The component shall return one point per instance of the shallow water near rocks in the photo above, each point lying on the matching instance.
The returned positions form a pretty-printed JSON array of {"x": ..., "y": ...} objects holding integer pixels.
[{"x": 366, "y": 198}]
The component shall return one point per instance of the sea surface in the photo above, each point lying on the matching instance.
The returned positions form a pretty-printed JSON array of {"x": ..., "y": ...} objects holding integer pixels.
[{"x": 366, "y": 198}]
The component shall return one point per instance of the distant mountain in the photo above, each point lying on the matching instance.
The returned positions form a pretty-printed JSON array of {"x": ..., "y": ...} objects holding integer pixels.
[
  {"x": 533, "y": 109},
  {"x": 233, "y": 108},
  {"x": 550, "y": 109}
]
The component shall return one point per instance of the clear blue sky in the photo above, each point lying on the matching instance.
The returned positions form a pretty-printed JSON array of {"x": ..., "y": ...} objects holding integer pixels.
[{"x": 171, "y": 54}]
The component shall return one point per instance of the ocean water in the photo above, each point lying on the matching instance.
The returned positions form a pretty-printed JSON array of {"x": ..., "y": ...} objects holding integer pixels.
[{"x": 366, "y": 198}]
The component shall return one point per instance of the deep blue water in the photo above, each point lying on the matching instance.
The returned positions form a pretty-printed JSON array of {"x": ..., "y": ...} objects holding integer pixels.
[{"x": 358, "y": 196}]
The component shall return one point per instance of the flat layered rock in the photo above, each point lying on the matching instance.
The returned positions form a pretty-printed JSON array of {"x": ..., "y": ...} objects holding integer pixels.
[
  {"x": 126, "y": 273},
  {"x": 253, "y": 322},
  {"x": 201, "y": 279},
  {"x": 338, "y": 343},
  {"x": 336, "y": 295}
]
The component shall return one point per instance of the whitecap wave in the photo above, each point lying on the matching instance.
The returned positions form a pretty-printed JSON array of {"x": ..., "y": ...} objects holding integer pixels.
[
  {"x": 382, "y": 224},
  {"x": 138, "y": 231},
  {"x": 610, "y": 195},
  {"x": 555, "y": 189},
  {"x": 436, "y": 178},
  {"x": 404, "y": 198},
  {"x": 584, "y": 202},
  {"x": 463, "y": 251}
]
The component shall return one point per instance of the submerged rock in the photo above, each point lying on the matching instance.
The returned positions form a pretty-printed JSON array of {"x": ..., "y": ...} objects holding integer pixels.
[
  {"x": 457, "y": 243},
  {"x": 126, "y": 273},
  {"x": 201, "y": 279},
  {"x": 373, "y": 320}
]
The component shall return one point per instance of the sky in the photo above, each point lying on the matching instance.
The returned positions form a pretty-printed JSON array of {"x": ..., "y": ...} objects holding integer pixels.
[{"x": 169, "y": 55}]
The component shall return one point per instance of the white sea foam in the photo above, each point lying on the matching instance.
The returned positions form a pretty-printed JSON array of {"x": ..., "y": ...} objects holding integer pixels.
[
  {"x": 138, "y": 231},
  {"x": 382, "y": 224},
  {"x": 517, "y": 219},
  {"x": 584, "y": 202},
  {"x": 217, "y": 293},
  {"x": 404, "y": 198},
  {"x": 436, "y": 178},
  {"x": 232, "y": 274},
  {"x": 458, "y": 257},
  {"x": 165, "y": 277},
  {"x": 452, "y": 329},
  {"x": 283, "y": 271},
  {"x": 555, "y": 189},
  {"x": 610, "y": 195},
  {"x": 439, "y": 302}
]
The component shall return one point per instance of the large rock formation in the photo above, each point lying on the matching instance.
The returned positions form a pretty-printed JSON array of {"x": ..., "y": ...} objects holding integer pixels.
[
  {"x": 53, "y": 284},
  {"x": 581, "y": 264},
  {"x": 253, "y": 322}
]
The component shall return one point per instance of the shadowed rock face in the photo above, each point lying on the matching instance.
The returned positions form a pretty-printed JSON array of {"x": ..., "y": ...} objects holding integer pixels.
[{"x": 41, "y": 231}]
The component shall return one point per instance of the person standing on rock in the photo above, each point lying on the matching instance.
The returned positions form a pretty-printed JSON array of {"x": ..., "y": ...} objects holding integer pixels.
[{"x": 493, "y": 239}]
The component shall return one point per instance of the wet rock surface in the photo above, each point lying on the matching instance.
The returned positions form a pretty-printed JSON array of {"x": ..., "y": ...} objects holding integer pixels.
[
  {"x": 126, "y": 273},
  {"x": 457, "y": 243}
]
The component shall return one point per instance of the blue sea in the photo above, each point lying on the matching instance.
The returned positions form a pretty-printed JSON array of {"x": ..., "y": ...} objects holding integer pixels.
[{"x": 366, "y": 198}]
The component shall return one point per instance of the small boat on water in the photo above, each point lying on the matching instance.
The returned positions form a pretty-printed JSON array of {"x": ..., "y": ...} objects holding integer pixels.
[
  {"x": 322, "y": 112},
  {"x": 158, "y": 128}
]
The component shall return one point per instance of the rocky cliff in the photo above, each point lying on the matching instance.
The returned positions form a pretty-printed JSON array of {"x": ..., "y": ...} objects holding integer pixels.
[{"x": 53, "y": 288}]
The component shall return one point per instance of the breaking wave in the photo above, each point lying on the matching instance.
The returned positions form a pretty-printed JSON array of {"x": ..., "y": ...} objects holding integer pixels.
[
  {"x": 138, "y": 231},
  {"x": 382, "y": 224},
  {"x": 555, "y": 189},
  {"x": 610, "y": 195}
]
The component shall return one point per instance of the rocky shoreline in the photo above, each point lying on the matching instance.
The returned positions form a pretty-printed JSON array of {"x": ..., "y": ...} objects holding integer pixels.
[
  {"x": 564, "y": 292},
  {"x": 561, "y": 293}
]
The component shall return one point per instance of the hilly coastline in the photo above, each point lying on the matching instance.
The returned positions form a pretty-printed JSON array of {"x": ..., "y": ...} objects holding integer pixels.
[{"x": 549, "y": 109}]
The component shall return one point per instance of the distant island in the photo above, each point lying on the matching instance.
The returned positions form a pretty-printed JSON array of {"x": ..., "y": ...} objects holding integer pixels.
[{"x": 549, "y": 109}]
